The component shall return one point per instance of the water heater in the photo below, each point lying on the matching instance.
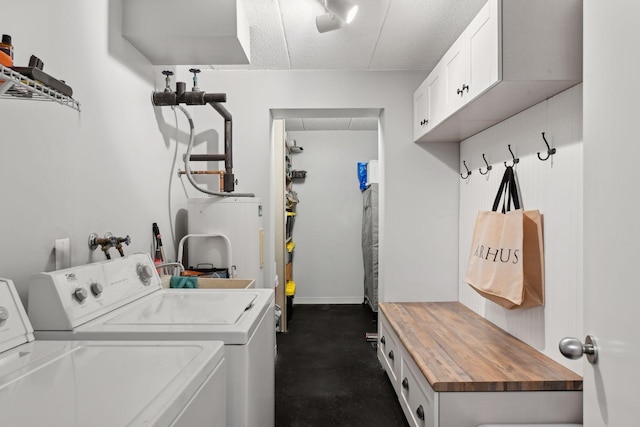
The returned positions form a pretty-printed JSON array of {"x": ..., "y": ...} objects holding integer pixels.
[{"x": 238, "y": 218}]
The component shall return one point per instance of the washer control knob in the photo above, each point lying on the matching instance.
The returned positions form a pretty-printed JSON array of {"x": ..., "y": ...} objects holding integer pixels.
[
  {"x": 145, "y": 273},
  {"x": 80, "y": 294},
  {"x": 4, "y": 314},
  {"x": 96, "y": 289}
]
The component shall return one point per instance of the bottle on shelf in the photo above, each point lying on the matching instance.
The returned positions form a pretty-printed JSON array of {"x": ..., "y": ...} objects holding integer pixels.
[
  {"x": 5, "y": 60},
  {"x": 6, "y": 46}
]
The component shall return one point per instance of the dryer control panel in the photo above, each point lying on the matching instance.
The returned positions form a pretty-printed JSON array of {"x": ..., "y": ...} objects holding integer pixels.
[
  {"x": 65, "y": 299},
  {"x": 15, "y": 328}
]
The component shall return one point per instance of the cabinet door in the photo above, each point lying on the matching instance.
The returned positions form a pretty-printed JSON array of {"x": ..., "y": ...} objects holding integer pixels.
[
  {"x": 436, "y": 86},
  {"x": 473, "y": 62},
  {"x": 420, "y": 111},
  {"x": 456, "y": 70},
  {"x": 483, "y": 43},
  {"x": 429, "y": 103}
]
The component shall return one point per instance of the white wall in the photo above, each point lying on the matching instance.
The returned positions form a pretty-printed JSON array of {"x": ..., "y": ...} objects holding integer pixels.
[
  {"x": 419, "y": 238},
  {"x": 68, "y": 174},
  {"x": 327, "y": 263},
  {"x": 112, "y": 167},
  {"x": 555, "y": 188}
]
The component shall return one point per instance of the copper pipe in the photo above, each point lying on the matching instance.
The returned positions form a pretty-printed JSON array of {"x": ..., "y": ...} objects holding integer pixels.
[{"x": 221, "y": 173}]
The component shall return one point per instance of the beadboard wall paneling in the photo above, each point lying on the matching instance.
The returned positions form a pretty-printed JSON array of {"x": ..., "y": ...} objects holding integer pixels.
[{"x": 555, "y": 188}]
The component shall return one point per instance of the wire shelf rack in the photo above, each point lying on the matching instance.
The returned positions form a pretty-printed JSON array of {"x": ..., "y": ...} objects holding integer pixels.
[{"x": 17, "y": 86}]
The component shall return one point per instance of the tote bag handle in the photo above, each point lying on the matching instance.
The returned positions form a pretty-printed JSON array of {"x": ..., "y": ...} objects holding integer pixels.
[{"x": 508, "y": 192}]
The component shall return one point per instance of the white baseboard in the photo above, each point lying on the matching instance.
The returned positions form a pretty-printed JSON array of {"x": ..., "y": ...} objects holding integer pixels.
[{"x": 327, "y": 300}]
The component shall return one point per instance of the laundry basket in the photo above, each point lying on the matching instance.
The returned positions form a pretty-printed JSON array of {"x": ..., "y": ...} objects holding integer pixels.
[{"x": 200, "y": 279}]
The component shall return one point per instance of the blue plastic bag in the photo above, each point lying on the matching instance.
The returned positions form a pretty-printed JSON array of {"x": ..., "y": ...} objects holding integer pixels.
[{"x": 362, "y": 175}]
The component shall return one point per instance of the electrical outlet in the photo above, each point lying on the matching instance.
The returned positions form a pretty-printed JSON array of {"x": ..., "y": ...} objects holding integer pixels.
[{"x": 63, "y": 253}]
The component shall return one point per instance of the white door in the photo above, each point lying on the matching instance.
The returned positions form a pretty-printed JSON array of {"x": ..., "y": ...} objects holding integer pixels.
[{"x": 611, "y": 210}]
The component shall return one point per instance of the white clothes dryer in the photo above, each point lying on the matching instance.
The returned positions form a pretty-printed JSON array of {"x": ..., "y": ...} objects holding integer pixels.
[
  {"x": 123, "y": 299},
  {"x": 105, "y": 383}
]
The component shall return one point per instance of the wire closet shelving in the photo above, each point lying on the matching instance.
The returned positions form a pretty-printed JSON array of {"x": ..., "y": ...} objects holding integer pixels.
[{"x": 17, "y": 86}]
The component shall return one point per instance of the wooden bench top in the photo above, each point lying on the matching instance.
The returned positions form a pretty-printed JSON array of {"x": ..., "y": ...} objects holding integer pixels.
[{"x": 458, "y": 350}]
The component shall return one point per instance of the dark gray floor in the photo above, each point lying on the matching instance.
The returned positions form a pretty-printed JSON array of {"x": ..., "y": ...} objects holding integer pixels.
[{"x": 327, "y": 374}]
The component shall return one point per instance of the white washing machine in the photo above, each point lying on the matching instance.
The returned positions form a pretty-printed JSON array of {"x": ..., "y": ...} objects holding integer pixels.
[
  {"x": 123, "y": 299},
  {"x": 105, "y": 383}
]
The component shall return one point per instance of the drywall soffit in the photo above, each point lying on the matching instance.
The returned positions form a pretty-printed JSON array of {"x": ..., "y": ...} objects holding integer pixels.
[{"x": 167, "y": 32}]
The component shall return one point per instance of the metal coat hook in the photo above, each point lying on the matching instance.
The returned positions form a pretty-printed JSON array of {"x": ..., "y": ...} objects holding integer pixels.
[
  {"x": 489, "y": 167},
  {"x": 550, "y": 151},
  {"x": 515, "y": 160},
  {"x": 468, "y": 171}
]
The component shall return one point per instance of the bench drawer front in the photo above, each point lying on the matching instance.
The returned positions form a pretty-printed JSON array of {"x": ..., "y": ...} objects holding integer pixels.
[
  {"x": 388, "y": 352},
  {"x": 417, "y": 398}
]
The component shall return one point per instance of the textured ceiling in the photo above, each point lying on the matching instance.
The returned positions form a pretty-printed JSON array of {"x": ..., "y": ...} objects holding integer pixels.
[
  {"x": 385, "y": 35},
  {"x": 333, "y": 123},
  {"x": 311, "y": 119}
]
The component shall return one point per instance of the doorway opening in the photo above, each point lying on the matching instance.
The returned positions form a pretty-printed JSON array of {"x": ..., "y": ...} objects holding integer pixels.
[{"x": 319, "y": 204}]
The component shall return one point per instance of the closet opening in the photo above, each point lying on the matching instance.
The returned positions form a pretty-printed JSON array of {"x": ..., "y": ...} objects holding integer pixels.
[{"x": 325, "y": 211}]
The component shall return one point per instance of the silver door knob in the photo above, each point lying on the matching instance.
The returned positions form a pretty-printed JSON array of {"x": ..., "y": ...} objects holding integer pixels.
[{"x": 572, "y": 348}]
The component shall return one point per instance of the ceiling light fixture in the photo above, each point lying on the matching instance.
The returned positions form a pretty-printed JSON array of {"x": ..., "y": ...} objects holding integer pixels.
[
  {"x": 345, "y": 9},
  {"x": 338, "y": 13},
  {"x": 328, "y": 22}
]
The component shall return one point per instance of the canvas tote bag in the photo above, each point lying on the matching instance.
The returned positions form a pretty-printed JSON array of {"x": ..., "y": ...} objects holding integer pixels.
[{"x": 506, "y": 262}]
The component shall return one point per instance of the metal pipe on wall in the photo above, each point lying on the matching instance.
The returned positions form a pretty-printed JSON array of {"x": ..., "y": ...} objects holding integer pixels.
[
  {"x": 181, "y": 96},
  {"x": 169, "y": 99},
  {"x": 229, "y": 180}
]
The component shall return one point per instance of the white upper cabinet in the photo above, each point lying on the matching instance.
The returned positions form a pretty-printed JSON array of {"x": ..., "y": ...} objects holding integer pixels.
[
  {"x": 482, "y": 42},
  {"x": 514, "y": 54},
  {"x": 429, "y": 103},
  {"x": 472, "y": 63},
  {"x": 456, "y": 66}
]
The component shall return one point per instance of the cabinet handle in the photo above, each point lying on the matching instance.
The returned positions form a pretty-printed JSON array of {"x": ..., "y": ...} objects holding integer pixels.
[
  {"x": 424, "y": 122},
  {"x": 459, "y": 92},
  {"x": 391, "y": 356},
  {"x": 405, "y": 384},
  {"x": 382, "y": 340},
  {"x": 465, "y": 87},
  {"x": 420, "y": 412}
]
